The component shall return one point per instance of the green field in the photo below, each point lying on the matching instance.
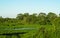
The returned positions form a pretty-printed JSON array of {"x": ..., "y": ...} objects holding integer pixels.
[
  {"x": 39, "y": 31},
  {"x": 30, "y": 26}
]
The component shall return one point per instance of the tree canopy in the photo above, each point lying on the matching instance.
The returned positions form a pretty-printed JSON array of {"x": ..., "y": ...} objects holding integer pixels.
[{"x": 26, "y": 18}]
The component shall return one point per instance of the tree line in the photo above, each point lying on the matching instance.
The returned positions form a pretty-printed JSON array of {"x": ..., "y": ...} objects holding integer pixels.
[{"x": 26, "y": 18}]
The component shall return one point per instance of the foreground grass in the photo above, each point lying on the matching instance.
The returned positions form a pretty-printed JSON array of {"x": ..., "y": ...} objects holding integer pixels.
[{"x": 39, "y": 31}]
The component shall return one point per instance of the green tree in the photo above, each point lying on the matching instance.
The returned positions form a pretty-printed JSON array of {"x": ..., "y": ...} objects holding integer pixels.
[
  {"x": 42, "y": 18},
  {"x": 1, "y": 19},
  {"x": 50, "y": 17},
  {"x": 56, "y": 22},
  {"x": 19, "y": 16},
  {"x": 25, "y": 17}
]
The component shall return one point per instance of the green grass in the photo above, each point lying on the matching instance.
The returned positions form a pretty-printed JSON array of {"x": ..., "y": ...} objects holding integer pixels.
[{"x": 49, "y": 31}]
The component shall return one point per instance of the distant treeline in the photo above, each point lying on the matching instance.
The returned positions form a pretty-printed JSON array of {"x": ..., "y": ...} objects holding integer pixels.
[{"x": 26, "y": 18}]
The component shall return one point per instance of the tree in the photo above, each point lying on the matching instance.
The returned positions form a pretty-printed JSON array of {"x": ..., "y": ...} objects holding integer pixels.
[
  {"x": 25, "y": 17},
  {"x": 42, "y": 18},
  {"x": 50, "y": 17},
  {"x": 32, "y": 18},
  {"x": 19, "y": 16},
  {"x": 1, "y": 19},
  {"x": 56, "y": 22}
]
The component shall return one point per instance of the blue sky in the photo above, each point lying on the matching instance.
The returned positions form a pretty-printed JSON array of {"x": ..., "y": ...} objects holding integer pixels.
[{"x": 10, "y": 8}]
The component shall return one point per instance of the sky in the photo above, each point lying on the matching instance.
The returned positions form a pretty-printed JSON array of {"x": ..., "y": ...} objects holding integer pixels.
[{"x": 10, "y": 8}]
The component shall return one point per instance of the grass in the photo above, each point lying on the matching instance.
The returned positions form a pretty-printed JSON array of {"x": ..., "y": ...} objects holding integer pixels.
[{"x": 49, "y": 31}]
